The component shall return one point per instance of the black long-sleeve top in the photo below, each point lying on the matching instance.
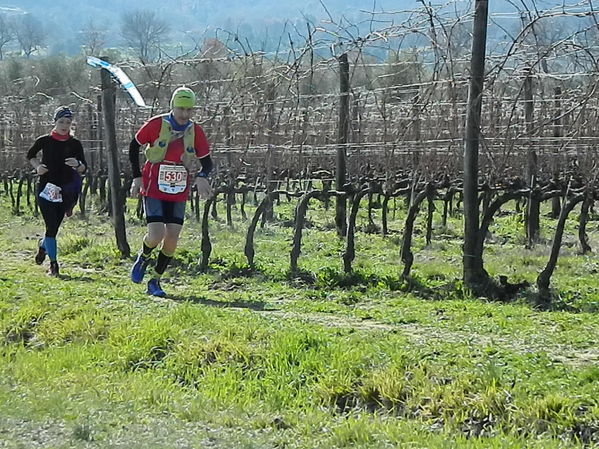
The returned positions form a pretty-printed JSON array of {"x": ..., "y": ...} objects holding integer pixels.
[{"x": 54, "y": 152}]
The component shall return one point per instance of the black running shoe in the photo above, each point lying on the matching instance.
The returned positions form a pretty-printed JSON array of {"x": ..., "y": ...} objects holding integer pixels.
[
  {"x": 53, "y": 271},
  {"x": 41, "y": 254}
]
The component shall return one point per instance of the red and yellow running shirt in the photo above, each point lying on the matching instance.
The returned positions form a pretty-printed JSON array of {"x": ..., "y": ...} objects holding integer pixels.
[{"x": 150, "y": 173}]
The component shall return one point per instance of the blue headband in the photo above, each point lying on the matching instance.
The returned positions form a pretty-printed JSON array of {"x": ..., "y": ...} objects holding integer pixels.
[{"x": 61, "y": 112}]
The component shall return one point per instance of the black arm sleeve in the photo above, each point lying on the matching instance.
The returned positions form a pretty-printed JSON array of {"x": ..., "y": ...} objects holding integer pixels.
[
  {"x": 134, "y": 147},
  {"x": 207, "y": 165},
  {"x": 35, "y": 148},
  {"x": 81, "y": 154}
]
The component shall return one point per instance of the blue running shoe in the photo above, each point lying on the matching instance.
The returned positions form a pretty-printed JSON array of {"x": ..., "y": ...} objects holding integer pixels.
[
  {"x": 154, "y": 288},
  {"x": 138, "y": 270}
]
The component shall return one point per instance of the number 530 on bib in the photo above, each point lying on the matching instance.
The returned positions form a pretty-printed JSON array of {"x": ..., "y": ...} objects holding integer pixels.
[{"x": 172, "y": 178}]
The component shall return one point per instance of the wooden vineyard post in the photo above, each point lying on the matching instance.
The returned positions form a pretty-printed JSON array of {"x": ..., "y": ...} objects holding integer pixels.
[
  {"x": 342, "y": 137},
  {"x": 114, "y": 172}
]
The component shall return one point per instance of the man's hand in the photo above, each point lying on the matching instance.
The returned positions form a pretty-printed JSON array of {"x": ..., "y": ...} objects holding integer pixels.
[
  {"x": 202, "y": 185},
  {"x": 135, "y": 188},
  {"x": 41, "y": 169}
]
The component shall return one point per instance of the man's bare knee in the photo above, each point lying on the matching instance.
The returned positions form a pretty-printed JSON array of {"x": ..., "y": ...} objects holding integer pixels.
[{"x": 155, "y": 235}]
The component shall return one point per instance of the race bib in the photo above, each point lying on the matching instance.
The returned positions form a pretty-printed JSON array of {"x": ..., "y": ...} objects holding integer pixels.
[
  {"x": 51, "y": 193},
  {"x": 172, "y": 178}
]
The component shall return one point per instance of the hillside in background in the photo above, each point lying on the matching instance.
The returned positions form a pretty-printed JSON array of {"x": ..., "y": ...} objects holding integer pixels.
[{"x": 261, "y": 22}]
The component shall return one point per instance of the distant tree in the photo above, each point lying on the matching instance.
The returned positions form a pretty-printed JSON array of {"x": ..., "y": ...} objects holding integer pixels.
[
  {"x": 144, "y": 30},
  {"x": 14, "y": 70},
  {"x": 402, "y": 68},
  {"x": 362, "y": 74},
  {"x": 51, "y": 72},
  {"x": 549, "y": 30},
  {"x": 13, "y": 78},
  {"x": 6, "y": 33},
  {"x": 213, "y": 48},
  {"x": 29, "y": 32},
  {"x": 456, "y": 39},
  {"x": 93, "y": 38}
]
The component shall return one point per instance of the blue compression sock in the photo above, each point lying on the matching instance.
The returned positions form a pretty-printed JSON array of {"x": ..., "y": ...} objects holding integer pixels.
[{"x": 50, "y": 247}]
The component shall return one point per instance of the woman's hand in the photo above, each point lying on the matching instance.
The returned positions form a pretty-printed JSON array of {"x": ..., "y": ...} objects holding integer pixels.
[
  {"x": 72, "y": 162},
  {"x": 41, "y": 169}
]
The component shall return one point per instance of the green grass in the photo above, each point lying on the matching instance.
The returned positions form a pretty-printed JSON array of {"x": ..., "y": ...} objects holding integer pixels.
[{"x": 260, "y": 360}]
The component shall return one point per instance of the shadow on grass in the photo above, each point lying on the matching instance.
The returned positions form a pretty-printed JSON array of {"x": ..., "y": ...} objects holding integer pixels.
[
  {"x": 494, "y": 290},
  {"x": 69, "y": 277},
  {"x": 557, "y": 302},
  {"x": 252, "y": 305}
]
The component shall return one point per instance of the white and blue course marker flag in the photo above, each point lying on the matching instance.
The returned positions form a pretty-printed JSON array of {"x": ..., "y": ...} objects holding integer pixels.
[{"x": 121, "y": 77}]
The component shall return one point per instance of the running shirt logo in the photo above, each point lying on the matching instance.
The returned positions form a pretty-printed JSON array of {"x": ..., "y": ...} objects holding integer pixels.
[{"x": 176, "y": 134}]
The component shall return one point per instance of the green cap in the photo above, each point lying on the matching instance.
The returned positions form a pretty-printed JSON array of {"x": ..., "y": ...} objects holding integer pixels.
[{"x": 183, "y": 97}]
